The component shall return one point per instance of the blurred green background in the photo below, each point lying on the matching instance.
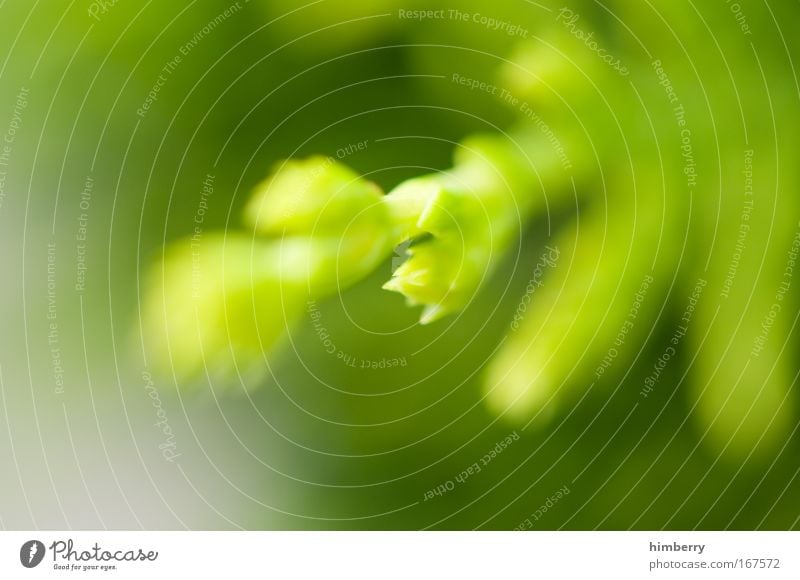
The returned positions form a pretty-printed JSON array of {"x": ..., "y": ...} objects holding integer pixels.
[{"x": 319, "y": 444}]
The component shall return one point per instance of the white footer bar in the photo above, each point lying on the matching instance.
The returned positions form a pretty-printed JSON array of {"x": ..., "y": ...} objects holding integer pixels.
[{"x": 400, "y": 555}]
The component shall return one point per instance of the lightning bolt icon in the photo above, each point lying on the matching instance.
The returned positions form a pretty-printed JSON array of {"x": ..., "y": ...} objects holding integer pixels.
[{"x": 34, "y": 550}]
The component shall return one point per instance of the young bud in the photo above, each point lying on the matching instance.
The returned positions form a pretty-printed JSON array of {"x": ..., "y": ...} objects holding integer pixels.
[
  {"x": 591, "y": 299},
  {"x": 470, "y": 214},
  {"x": 218, "y": 304},
  {"x": 315, "y": 196},
  {"x": 214, "y": 306}
]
